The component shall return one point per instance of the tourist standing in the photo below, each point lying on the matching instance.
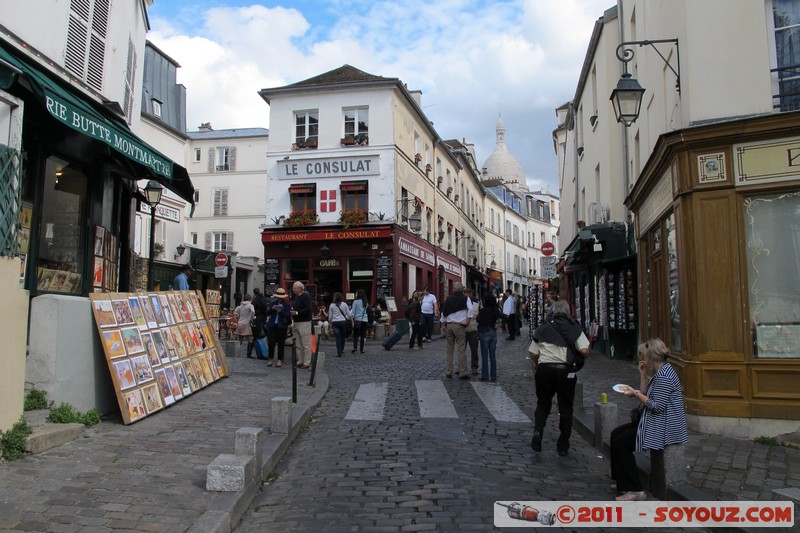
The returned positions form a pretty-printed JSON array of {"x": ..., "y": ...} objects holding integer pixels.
[{"x": 430, "y": 312}]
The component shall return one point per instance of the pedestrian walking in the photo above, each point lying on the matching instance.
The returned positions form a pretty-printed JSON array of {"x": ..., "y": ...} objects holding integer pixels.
[
  {"x": 181, "y": 281},
  {"x": 278, "y": 321},
  {"x": 339, "y": 314},
  {"x": 488, "y": 317},
  {"x": 556, "y": 347},
  {"x": 360, "y": 320},
  {"x": 430, "y": 312},
  {"x": 472, "y": 331},
  {"x": 244, "y": 315},
  {"x": 661, "y": 419},
  {"x": 302, "y": 313},
  {"x": 456, "y": 314},
  {"x": 413, "y": 314},
  {"x": 510, "y": 312}
]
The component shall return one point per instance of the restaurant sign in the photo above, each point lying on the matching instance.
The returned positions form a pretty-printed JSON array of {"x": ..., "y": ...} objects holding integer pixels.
[
  {"x": 334, "y": 167},
  {"x": 326, "y": 235},
  {"x": 410, "y": 249}
]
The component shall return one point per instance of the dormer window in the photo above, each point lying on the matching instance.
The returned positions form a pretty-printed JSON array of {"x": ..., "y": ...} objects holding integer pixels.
[{"x": 156, "y": 108}]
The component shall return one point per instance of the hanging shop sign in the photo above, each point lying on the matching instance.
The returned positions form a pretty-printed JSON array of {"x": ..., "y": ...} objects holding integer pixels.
[{"x": 162, "y": 211}]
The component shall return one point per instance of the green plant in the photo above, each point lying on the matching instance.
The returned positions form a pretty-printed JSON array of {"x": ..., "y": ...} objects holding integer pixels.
[
  {"x": 36, "y": 399},
  {"x": 66, "y": 414},
  {"x": 772, "y": 441},
  {"x": 352, "y": 218},
  {"x": 12, "y": 442},
  {"x": 301, "y": 218}
]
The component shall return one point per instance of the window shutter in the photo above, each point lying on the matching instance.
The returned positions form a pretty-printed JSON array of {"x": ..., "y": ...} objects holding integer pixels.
[
  {"x": 232, "y": 158},
  {"x": 212, "y": 153},
  {"x": 130, "y": 78},
  {"x": 223, "y": 208},
  {"x": 229, "y": 242},
  {"x": 209, "y": 242}
]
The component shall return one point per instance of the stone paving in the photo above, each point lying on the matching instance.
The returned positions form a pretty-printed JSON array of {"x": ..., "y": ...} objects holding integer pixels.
[{"x": 412, "y": 474}]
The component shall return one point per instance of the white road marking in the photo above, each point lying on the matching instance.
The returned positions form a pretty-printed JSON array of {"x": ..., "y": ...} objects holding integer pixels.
[
  {"x": 498, "y": 402},
  {"x": 434, "y": 402},
  {"x": 369, "y": 402}
]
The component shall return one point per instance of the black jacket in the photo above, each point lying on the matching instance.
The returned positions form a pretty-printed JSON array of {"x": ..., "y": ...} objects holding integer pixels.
[{"x": 561, "y": 330}]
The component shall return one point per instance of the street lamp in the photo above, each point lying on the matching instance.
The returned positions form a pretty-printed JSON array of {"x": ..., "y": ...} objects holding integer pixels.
[
  {"x": 414, "y": 220},
  {"x": 152, "y": 193},
  {"x": 627, "y": 96}
]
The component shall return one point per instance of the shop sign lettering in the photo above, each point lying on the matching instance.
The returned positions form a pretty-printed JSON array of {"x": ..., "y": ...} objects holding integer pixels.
[
  {"x": 325, "y": 168},
  {"x": 410, "y": 249}
]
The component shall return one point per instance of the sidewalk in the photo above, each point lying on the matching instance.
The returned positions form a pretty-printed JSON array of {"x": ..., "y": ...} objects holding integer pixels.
[
  {"x": 719, "y": 468},
  {"x": 151, "y": 475}
]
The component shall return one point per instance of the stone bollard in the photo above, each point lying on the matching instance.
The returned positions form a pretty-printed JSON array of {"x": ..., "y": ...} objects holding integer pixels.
[
  {"x": 320, "y": 362},
  {"x": 578, "y": 401},
  {"x": 667, "y": 467},
  {"x": 281, "y": 415},
  {"x": 231, "y": 348},
  {"x": 230, "y": 473},
  {"x": 605, "y": 418},
  {"x": 249, "y": 442}
]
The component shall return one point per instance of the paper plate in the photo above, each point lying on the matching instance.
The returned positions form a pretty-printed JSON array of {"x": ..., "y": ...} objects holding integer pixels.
[{"x": 622, "y": 388}]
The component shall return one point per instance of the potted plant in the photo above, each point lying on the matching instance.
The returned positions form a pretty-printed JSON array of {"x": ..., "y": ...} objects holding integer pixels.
[
  {"x": 348, "y": 140},
  {"x": 301, "y": 218},
  {"x": 352, "y": 218},
  {"x": 310, "y": 143}
]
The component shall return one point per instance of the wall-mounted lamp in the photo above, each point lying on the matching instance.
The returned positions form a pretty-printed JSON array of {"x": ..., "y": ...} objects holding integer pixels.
[
  {"x": 627, "y": 96},
  {"x": 441, "y": 235},
  {"x": 493, "y": 265},
  {"x": 414, "y": 220},
  {"x": 324, "y": 251},
  {"x": 580, "y": 151},
  {"x": 598, "y": 246},
  {"x": 179, "y": 250}
]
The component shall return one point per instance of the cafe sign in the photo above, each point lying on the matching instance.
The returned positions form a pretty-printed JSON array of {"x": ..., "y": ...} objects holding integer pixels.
[
  {"x": 334, "y": 167},
  {"x": 767, "y": 161},
  {"x": 162, "y": 211}
]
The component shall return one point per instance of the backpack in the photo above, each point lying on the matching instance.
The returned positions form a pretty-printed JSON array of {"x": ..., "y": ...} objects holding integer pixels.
[{"x": 372, "y": 314}]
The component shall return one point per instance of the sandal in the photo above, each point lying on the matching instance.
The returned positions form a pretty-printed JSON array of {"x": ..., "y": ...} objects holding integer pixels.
[
  {"x": 278, "y": 364},
  {"x": 632, "y": 497},
  {"x": 269, "y": 363}
]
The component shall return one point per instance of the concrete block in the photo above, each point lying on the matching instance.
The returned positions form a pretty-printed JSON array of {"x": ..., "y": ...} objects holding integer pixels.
[
  {"x": 281, "y": 415},
  {"x": 230, "y": 473},
  {"x": 605, "y": 418},
  {"x": 667, "y": 467},
  {"x": 788, "y": 494},
  {"x": 231, "y": 348},
  {"x": 320, "y": 362},
  {"x": 51, "y": 435},
  {"x": 249, "y": 442}
]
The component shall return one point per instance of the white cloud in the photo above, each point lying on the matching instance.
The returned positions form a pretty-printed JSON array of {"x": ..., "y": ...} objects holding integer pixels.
[{"x": 474, "y": 60}]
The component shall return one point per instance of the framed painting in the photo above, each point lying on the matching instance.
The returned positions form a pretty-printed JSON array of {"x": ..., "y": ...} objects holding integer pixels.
[
  {"x": 136, "y": 309},
  {"x": 149, "y": 314},
  {"x": 183, "y": 379},
  {"x": 132, "y": 339},
  {"x": 104, "y": 313},
  {"x": 142, "y": 370},
  {"x": 152, "y": 398},
  {"x": 172, "y": 379},
  {"x": 150, "y": 349},
  {"x": 122, "y": 312},
  {"x": 166, "y": 309},
  {"x": 99, "y": 240},
  {"x": 134, "y": 404},
  {"x": 163, "y": 386},
  {"x": 194, "y": 383},
  {"x": 112, "y": 341},
  {"x": 198, "y": 371},
  {"x": 160, "y": 345},
  {"x": 157, "y": 310},
  {"x": 124, "y": 374}
]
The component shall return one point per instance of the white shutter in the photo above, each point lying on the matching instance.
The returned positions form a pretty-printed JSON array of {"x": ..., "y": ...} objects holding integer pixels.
[
  {"x": 209, "y": 241},
  {"x": 229, "y": 242},
  {"x": 223, "y": 208},
  {"x": 232, "y": 158},
  {"x": 84, "y": 53},
  {"x": 212, "y": 153},
  {"x": 130, "y": 78}
]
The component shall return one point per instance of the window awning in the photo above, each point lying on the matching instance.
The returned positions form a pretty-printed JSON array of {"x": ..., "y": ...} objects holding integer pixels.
[
  {"x": 70, "y": 108},
  {"x": 360, "y": 185},
  {"x": 302, "y": 189}
]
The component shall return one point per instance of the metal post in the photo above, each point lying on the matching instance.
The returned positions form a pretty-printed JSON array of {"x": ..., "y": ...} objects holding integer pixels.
[{"x": 152, "y": 245}]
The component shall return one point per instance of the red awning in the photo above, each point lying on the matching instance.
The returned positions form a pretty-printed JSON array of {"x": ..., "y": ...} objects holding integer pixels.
[
  {"x": 302, "y": 189},
  {"x": 353, "y": 186}
]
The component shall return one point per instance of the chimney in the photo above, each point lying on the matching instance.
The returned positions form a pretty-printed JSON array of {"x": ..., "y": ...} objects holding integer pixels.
[
  {"x": 417, "y": 96},
  {"x": 205, "y": 126}
]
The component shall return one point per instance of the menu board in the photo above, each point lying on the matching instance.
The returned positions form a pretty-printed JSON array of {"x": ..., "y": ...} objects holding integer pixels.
[
  {"x": 159, "y": 347},
  {"x": 383, "y": 277},
  {"x": 536, "y": 305},
  {"x": 621, "y": 298},
  {"x": 271, "y": 271}
]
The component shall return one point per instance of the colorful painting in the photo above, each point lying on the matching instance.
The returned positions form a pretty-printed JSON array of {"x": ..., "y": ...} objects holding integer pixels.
[
  {"x": 99, "y": 269},
  {"x": 177, "y": 339},
  {"x": 187, "y": 338},
  {"x": 209, "y": 377},
  {"x": 166, "y": 309},
  {"x": 163, "y": 386},
  {"x": 183, "y": 380},
  {"x": 73, "y": 283},
  {"x": 197, "y": 309},
  {"x": 149, "y": 314},
  {"x": 170, "y": 342},
  {"x": 45, "y": 278},
  {"x": 141, "y": 369},
  {"x": 172, "y": 379},
  {"x": 104, "y": 313},
  {"x": 134, "y": 404},
  {"x": 194, "y": 383},
  {"x": 152, "y": 399},
  {"x": 161, "y": 346},
  {"x": 136, "y": 309},
  {"x": 115, "y": 347},
  {"x": 122, "y": 311},
  {"x": 99, "y": 240},
  {"x": 157, "y": 311},
  {"x": 212, "y": 366},
  {"x": 124, "y": 373},
  {"x": 132, "y": 339}
]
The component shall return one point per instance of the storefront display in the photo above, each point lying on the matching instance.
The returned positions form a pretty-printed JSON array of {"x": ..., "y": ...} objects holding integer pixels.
[{"x": 160, "y": 347}]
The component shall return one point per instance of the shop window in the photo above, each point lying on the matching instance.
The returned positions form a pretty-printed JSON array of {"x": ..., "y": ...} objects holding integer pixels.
[
  {"x": 355, "y": 195},
  {"x": 61, "y": 254},
  {"x": 773, "y": 252},
  {"x": 672, "y": 285}
]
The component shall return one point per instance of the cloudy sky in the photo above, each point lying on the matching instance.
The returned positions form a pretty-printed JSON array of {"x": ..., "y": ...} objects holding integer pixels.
[{"x": 474, "y": 60}]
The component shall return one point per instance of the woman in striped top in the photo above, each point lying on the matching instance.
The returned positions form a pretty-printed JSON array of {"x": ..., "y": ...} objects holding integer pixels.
[{"x": 662, "y": 421}]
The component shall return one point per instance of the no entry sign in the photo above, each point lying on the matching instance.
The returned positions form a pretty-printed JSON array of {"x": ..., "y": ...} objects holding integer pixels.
[
  {"x": 221, "y": 259},
  {"x": 548, "y": 248}
]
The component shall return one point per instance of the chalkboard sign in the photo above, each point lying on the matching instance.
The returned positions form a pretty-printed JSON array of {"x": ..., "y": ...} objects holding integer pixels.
[
  {"x": 383, "y": 277},
  {"x": 271, "y": 271}
]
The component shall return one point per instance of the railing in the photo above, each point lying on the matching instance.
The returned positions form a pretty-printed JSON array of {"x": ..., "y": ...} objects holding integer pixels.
[
  {"x": 788, "y": 78},
  {"x": 10, "y": 174}
]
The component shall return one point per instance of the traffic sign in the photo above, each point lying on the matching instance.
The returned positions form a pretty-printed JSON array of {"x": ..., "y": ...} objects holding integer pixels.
[
  {"x": 221, "y": 272},
  {"x": 221, "y": 259},
  {"x": 548, "y": 248},
  {"x": 548, "y": 267}
]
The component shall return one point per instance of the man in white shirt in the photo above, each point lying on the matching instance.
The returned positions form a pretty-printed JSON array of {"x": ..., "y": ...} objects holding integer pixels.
[
  {"x": 456, "y": 315},
  {"x": 429, "y": 312},
  {"x": 557, "y": 352},
  {"x": 510, "y": 311}
]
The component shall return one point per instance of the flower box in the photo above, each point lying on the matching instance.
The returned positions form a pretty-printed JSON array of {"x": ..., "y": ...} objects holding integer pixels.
[
  {"x": 301, "y": 218},
  {"x": 351, "y": 218}
]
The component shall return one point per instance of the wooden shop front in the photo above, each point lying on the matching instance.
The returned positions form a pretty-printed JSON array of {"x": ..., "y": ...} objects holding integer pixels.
[{"x": 718, "y": 236}]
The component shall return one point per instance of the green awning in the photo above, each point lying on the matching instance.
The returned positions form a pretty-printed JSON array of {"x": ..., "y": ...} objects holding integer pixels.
[{"x": 71, "y": 109}]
